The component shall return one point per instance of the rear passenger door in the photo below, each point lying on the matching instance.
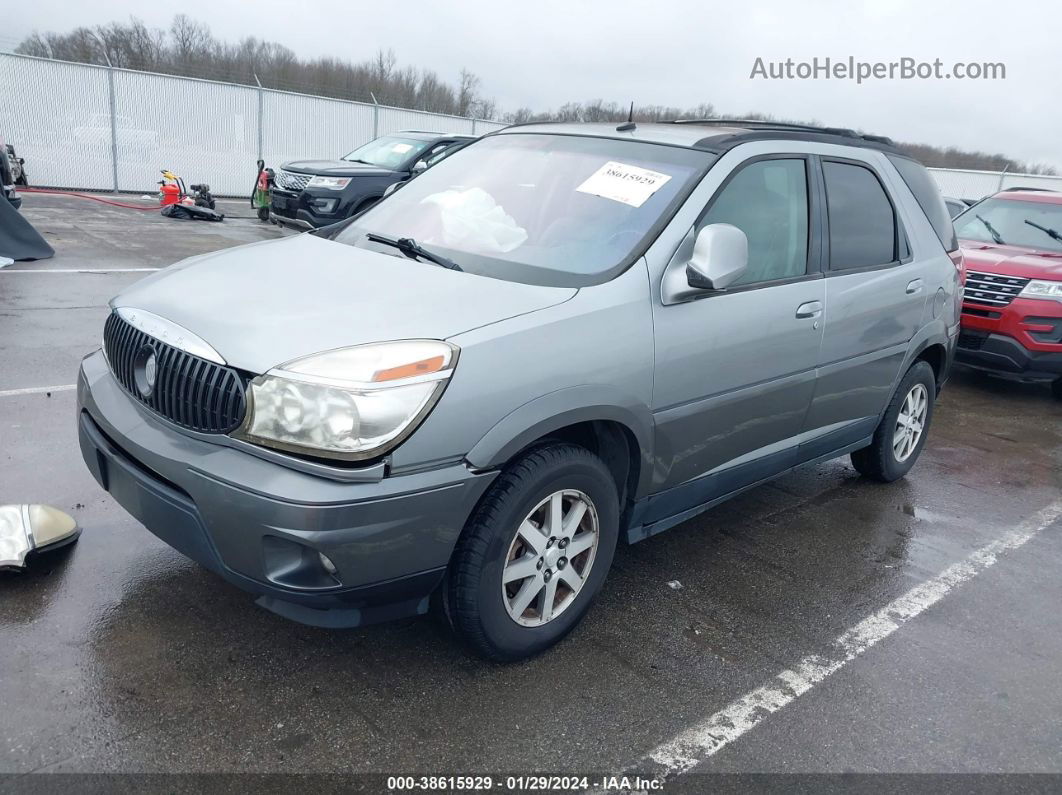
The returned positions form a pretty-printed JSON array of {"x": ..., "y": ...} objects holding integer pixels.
[{"x": 875, "y": 297}]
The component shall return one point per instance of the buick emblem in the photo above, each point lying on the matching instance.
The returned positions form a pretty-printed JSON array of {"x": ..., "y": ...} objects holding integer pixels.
[{"x": 145, "y": 370}]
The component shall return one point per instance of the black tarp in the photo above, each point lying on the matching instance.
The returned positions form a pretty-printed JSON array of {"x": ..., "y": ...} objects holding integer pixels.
[
  {"x": 18, "y": 239},
  {"x": 191, "y": 212}
]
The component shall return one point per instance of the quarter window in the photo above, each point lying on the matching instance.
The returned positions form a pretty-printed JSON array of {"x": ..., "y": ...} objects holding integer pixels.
[
  {"x": 862, "y": 220},
  {"x": 768, "y": 201},
  {"x": 937, "y": 210}
]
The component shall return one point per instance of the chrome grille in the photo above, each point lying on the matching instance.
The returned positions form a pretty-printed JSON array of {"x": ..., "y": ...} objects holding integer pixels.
[
  {"x": 288, "y": 180},
  {"x": 190, "y": 391},
  {"x": 991, "y": 289}
]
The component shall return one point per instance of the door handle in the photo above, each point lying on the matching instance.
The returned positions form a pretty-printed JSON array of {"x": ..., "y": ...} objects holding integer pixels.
[
  {"x": 914, "y": 286},
  {"x": 809, "y": 309}
]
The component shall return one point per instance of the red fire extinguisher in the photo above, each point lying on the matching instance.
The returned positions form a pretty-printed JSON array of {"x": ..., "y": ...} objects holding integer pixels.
[{"x": 171, "y": 191}]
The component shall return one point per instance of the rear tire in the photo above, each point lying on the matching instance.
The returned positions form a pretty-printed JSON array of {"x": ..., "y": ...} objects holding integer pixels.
[
  {"x": 1056, "y": 388},
  {"x": 511, "y": 556},
  {"x": 902, "y": 432}
]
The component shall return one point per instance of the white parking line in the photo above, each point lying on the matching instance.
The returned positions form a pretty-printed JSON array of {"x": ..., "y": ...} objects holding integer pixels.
[
  {"x": 80, "y": 270},
  {"x": 696, "y": 744},
  {"x": 36, "y": 390}
]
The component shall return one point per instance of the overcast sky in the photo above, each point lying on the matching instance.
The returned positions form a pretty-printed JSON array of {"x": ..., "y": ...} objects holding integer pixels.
[{"x": 678, "y": 52}]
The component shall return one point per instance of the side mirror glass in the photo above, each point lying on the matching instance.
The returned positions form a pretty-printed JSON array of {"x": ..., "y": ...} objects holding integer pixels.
[{"x": 720, "y": 257}]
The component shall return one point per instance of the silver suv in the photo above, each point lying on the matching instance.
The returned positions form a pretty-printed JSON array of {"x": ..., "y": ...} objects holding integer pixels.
[{"x": 561, "y": 338}]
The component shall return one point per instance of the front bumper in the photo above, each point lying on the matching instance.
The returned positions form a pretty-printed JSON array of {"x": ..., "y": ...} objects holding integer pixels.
[
  {"x": 1003, "y": 355},
  {"x": 261, "y": 525},
  {"x": 296, "y": 209}
]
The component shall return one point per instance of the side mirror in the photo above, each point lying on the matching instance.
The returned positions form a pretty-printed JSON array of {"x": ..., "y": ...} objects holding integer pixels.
[
  {"x": 420, "y": 165},
  {"x": 720, "y": 257},
  {"x": 712, "y": 259}
]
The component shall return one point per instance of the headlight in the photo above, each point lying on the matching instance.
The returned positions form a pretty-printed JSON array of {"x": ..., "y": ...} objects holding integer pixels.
[
  {"x": 1041, "y": 288},
  {"x": 350, "y": 403},
  {"x": 332, "y": 183}
]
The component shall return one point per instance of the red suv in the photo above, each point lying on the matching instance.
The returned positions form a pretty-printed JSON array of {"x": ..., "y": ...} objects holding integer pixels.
[{"x": 1012, "y": 303}]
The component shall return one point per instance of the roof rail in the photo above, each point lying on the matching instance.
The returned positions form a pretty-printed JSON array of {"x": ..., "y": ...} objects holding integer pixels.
[
  {"x": 784, "y": 127},
  {"x": 1018, "y": 187}
]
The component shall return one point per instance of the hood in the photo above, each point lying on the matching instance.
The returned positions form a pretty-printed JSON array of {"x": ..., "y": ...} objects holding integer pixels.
[
  {"x": 1028, "y": 263},
  {"x": 335, "y": 168},
  {"x": 267, "y": 303}
]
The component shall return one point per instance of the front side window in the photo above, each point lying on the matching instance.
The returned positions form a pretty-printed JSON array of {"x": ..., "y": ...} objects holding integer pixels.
[
  {"x": 390, "y": 151},
  {"x": 768, "y": 201},
  {"x": 862, "y": 221},
  {"x": 537, "y": 208},
  {"x": 1013, "y": 222}
]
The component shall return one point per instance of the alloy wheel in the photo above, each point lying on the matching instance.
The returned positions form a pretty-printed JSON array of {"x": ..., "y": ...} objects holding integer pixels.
[
  {"x": 550, "y": 558},
  {"x": 910, "y": 422}
]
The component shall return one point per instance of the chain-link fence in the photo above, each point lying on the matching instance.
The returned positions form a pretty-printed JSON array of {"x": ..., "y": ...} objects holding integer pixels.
[
  {"x": 96, "y": 128},
  {"x": 969, "y": 184}
]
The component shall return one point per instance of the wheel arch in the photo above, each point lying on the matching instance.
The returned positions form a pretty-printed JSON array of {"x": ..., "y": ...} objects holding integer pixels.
[{"x": 617, "y": 430}]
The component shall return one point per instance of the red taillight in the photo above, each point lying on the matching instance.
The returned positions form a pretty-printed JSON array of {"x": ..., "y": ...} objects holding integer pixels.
[{"x": 960, "y": 264}]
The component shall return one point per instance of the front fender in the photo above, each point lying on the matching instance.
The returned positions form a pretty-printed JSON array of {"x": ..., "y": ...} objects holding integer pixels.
[{"x": 551, "y": 412}]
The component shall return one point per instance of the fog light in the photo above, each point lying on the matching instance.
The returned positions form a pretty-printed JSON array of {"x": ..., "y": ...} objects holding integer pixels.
[
  {"x": 324, "y": 205},
  {"x": 328, "y": 565}
]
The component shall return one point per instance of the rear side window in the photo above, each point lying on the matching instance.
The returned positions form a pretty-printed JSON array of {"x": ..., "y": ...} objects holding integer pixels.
[
  {"x": 862, "y": 221},
  {"x": 929, "y": 199}
]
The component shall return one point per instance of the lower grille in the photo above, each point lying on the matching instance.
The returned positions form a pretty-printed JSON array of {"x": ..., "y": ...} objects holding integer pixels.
[
  {"x": 971, "y": 340},
  {"x": 992, "y": 289},
  {"x": 187, "y": 390}
]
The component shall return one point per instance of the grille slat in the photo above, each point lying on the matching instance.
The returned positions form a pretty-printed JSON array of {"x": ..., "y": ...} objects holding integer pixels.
[
  {"x": 289, "y": 180},
  {"x": 189, "y": 391},
  {"x": 992, "y": 289}
]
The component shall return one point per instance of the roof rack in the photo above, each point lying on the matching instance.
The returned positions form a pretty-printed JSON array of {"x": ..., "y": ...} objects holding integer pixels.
[{"x": 784, "y": 127}]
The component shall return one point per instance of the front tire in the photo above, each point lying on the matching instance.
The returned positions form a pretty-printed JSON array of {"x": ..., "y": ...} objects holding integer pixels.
[
  {"x": 1056, "y": 388},
  {"x": 901, "y": 434},
  {"x": 534, "y": 553}
]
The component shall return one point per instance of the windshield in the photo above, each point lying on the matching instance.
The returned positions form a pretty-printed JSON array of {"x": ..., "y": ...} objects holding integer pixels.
[
  {"x": 390, "y": 151},
  {"x": 542, "y": 209},
  {"x": 1012, "y": 222}
]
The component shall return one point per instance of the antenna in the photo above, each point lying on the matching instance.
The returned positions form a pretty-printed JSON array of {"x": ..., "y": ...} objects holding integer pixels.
[{"x": 629, "y": 124}]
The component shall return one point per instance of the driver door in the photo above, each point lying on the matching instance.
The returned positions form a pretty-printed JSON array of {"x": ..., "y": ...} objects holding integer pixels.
[{"x": 735, "y": 369}]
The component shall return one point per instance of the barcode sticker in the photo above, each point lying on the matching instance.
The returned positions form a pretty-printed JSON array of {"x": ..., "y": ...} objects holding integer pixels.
[{"x": 623, "y": 183}]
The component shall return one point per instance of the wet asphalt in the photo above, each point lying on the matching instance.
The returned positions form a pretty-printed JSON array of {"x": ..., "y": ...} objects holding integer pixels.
[{"x": 121, "y": 655}]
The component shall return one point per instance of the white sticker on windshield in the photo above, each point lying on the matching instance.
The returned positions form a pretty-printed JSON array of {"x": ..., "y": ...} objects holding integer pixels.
[
  {"x": 401, "y": 149},
  {"x": 622, "y": 183}
]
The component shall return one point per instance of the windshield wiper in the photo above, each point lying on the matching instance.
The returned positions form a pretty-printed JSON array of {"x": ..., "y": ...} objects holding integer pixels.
[
  {"x": 1045, "y": 229},
  {"x": 358, "y": 160},
  {"x": 412, "y": 249},
  {"x": 996, "y": 237}
]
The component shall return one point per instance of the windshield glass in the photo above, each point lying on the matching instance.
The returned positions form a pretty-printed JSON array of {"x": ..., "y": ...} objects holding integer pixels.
[
  {"x": 390, "y": 151},
  {"x": 542, "y": 209},
  {"x": 1012, "y": 222}
]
